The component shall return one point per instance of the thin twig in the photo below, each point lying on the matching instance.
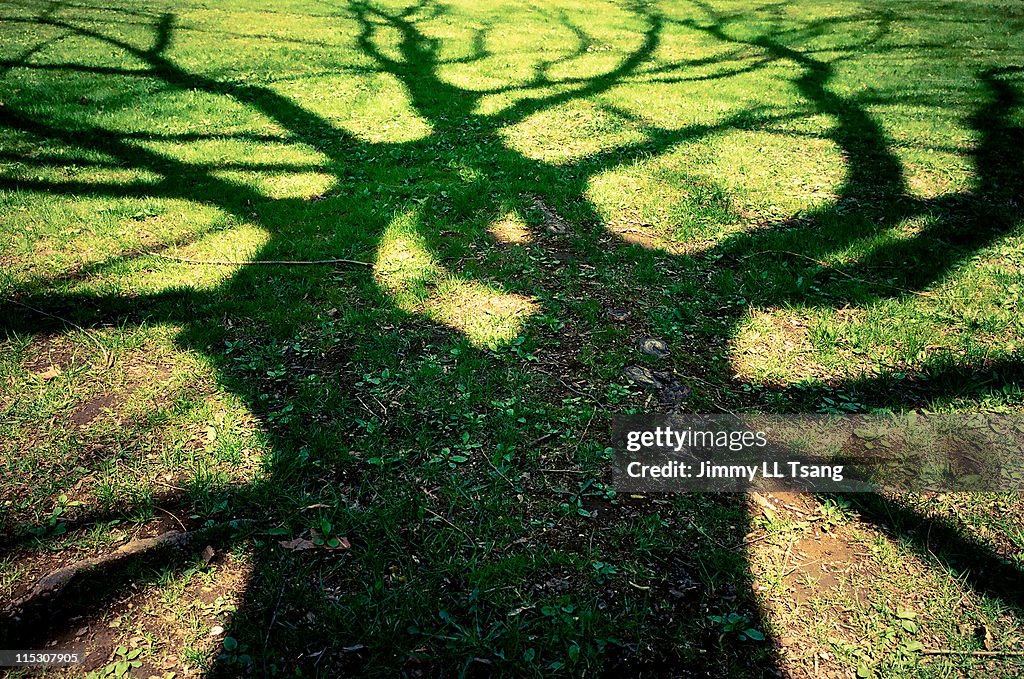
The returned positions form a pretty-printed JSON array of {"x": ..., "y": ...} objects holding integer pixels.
[
  {"x": 107, "y": 360},
  {"x": 754, "y": 540},
  {"x": 717, "y": 543},
  {"x": 797, "y": 567},
  {"x": 573, "y": 389},
  {"x": 266, "y": 262},
  {"x": 488, "y": 460},
  {"x": 541, "y": 439},
  {"x": 450, "y": 524},
  {"x": 785, "y": 559},
  {"x": 168, "y": 485},
  {"x": 579, "y": 441},
  {"x": 273, "y": 619},
  {"x": 173, "y": 516},
  {"x": 987, "y": 654},
  {"x": 929, "y": 295}
]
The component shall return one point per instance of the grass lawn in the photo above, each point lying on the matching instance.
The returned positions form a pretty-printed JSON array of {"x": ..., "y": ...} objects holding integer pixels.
[{"x": 403, "y": 467}]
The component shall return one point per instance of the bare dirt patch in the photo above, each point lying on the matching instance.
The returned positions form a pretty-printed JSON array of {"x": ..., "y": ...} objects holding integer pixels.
[
  {"x": 509, "y": 231},
  {"x": 645, "y": 236},
  {"x": 161, "y": 619},
  {"x": 813, "y": 558},
  {"x": 818, "y": 564},
  {"x": 84, "y": 413},
  {"x": 139, "y": 380},
  {"x": 163, "y": 629},
  {"x": 49, "y": 351}
]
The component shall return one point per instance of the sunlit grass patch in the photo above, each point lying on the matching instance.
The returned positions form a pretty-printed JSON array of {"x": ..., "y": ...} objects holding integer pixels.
[
  {"x": 510, "y": 229},
  {"x": 830, "y": 584},
  {"x": 90, "y": 236},
  {"x": 271, "y": 169},
  {"x": 226, "y": 151},
  {"x": 676, "y": 207},
  {"x": 570, "y": 132},
  {"x": 74, "y": 176},
  {"x": 279, "y": 185},
  {"x": 404, "y": 265},
  {"x": 142, "y": 274},
  {"x": 488, "y": 316},
  {"x": 774, "y": 174},
  {"x": 118, "y": 432},
  {"x": 374, "y": 108},
  {"x": 786, "y": 346},
  {"x": 773, "y": 348}
]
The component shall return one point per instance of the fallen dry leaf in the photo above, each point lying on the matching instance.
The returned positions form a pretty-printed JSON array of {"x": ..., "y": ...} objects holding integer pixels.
[
  {"x": 985, "y": 635},
  {"x": 297, "y": 544},
  {"x": 49, "y": 373},
  {"x": 342, "y": 543}
]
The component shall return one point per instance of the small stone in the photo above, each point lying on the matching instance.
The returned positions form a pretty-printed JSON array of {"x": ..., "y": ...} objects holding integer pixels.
[
  {"x": 654, "y": 347},
  {"x": 216, "y": 631},
  {"x": 675, "y": 392},
  {"x": 643, "y": 376},
  {"x": 669, "y": 388},
  {"x": 618, "y": 315},
  {"x": 552, "y": 221}
]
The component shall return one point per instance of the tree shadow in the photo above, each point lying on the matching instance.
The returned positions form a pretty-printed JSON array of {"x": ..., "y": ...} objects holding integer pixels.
[{"x": 874, "y": 194}]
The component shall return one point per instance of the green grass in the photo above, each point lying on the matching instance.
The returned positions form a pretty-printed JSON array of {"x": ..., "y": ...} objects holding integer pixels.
[{"x": 815, "y": 204}]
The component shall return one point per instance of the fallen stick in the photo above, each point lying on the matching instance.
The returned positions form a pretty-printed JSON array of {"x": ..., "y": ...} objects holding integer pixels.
[
  {"x": 108, "y": 360},
  {"x": 987, "y": 654},
  {"x": 266, "y": 262},
  {"x": 51, "y": 586}
]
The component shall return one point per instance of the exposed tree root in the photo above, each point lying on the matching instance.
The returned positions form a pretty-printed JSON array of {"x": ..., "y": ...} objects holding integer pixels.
[{"x": 53, "y": 585}]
